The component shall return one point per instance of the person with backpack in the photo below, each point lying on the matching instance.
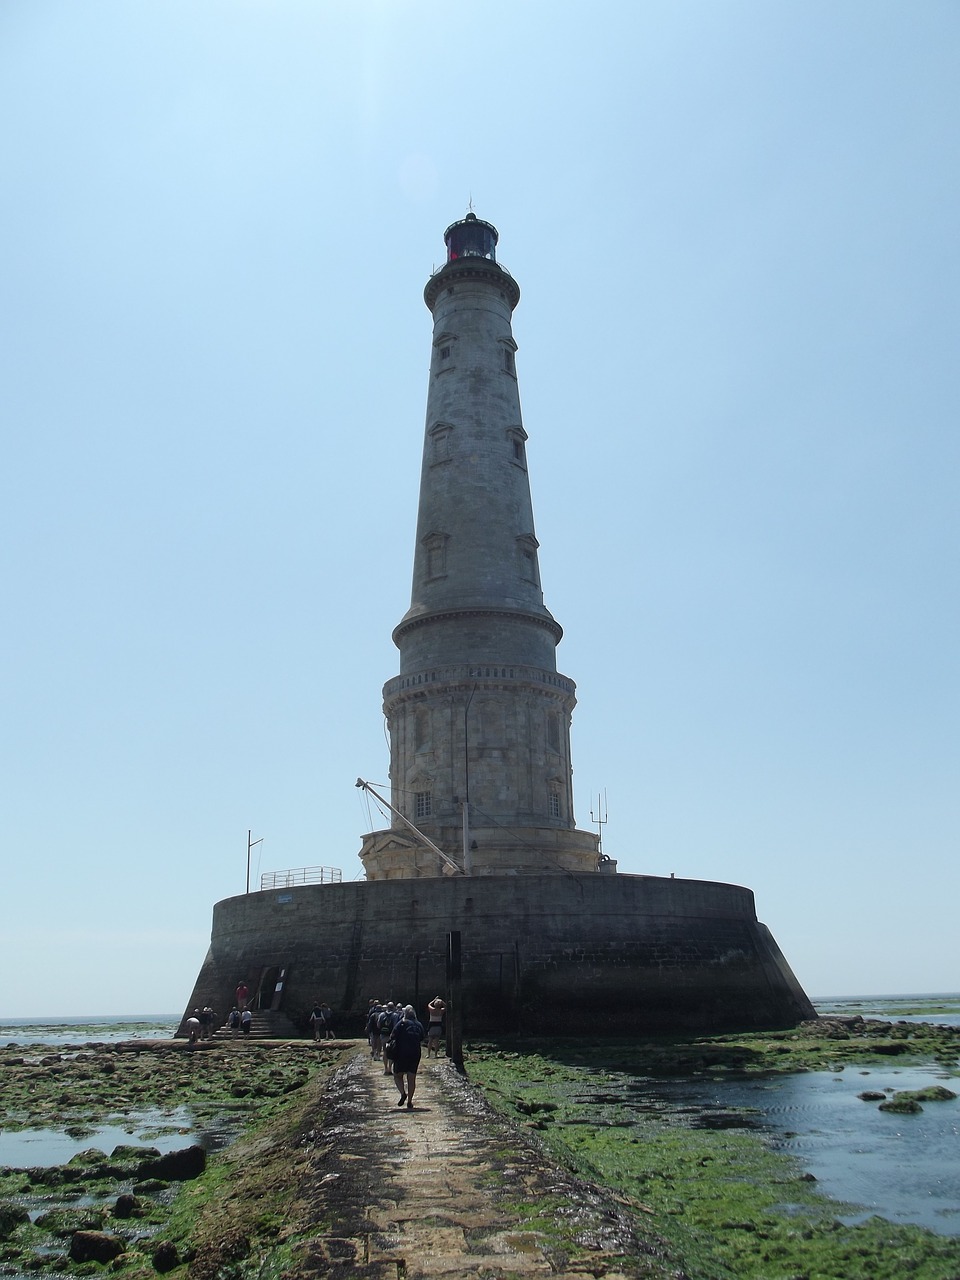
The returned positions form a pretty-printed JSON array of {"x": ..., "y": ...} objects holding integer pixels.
[
  {"x": 385, "y": 1025},
  {"x": 405, "y": 1054},
  {"x": 373, "y": 1029}
]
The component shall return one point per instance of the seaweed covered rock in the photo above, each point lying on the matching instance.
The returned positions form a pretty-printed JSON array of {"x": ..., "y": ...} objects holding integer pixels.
[
  {"x": 64, "y": 1220},
  {"x": 165, "y": 1257},
  {"x": 900, "y": 1105},
  {"x": 175, "y": 1166},
  {"x": 94, "y": 1246},
  {"x": 11, "y": 1217}
]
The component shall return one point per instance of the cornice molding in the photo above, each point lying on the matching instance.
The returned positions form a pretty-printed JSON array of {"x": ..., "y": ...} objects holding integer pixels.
[
  {"x": 406, "y": 625},
  {"x": 472, "y": 269}
]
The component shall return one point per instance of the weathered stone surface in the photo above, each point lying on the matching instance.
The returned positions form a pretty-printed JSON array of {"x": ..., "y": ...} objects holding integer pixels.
[
  {"x": 631, "y": 954},
  {"x": 176, "y": 1166},
  {"x": 94, "y": 1246}
]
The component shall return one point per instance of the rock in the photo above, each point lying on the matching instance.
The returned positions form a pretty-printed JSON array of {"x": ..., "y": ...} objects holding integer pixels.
[
  {"x": 127, "y": 1206},
  {"x": 88, "y": 1158},
  {"x": 165, "y": 1257},
  {"x": 932, "y": 1093},
  {"x": 11, "y": 1217},
  {"x": 871, "y": 1095},
  {"x": 901, "y": 1106},
  {"x": 64, "y": 1220},
  {"x": 126, "y": 1151},
  {"x": 94, "y": 1246},
  {"x": 175, "y": 1166}
]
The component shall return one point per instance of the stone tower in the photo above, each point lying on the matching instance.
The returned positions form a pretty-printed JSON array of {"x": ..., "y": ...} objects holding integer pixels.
[
  {"x": 479, "y": 721},
  {"x": 479, "y": 716}
]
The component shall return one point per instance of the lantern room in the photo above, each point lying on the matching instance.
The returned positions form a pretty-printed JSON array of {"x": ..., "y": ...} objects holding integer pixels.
[{"x": 471, "y": 238}]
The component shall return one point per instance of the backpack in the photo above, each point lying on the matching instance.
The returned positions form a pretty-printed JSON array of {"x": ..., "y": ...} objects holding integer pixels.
[
  {"x": 386, "y": 1022},
  {"x": 407, "y": 1033}
]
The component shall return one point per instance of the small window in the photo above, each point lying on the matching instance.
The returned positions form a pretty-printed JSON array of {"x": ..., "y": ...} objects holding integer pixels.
[
  {"x": 424, "y": 804},
  {"x": 435, "y": 545},
  {"x": 553, "y": 731},
  {"x": 517, "y": 443},
  {"x": 554, "y": 804},
  {"x": 444, "y": 353},
  {"x": 440, "y": 434},
  {"x": 527, "y": 559}
]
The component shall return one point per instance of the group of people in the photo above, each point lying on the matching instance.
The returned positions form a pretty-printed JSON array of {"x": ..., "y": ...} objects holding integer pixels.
[
  {"x": 321, "y": 1019},
  {"x": 202, "y": 1023},
  {"x": 199, "y": 1026},
  {"x": 239, "y": 1021},
  {"x": 396, "y": 1037}
]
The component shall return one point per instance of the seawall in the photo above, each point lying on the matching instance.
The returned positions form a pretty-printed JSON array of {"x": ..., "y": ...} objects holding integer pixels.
[{"x": 605, "y": 954}]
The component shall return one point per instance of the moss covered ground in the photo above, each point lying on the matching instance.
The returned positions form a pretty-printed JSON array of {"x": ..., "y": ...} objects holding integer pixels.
[
  {"x": 727, "y": 1203},
  {"x": 722, "y": 1201},
  {"x": 208, "y": 1223}
]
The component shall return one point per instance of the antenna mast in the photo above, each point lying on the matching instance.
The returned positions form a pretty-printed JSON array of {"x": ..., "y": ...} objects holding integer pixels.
[{"x": 601, "y": 820}]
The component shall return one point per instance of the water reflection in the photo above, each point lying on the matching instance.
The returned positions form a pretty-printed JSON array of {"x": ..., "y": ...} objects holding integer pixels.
[
  {"x": 906, "y": 1168},
  {"x": 164, "y": 1130}
]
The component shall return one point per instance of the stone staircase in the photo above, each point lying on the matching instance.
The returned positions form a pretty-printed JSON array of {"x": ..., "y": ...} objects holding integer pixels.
[{"x": 268, "y": 1024}]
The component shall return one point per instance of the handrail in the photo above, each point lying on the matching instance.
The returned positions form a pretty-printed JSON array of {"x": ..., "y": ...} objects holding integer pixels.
[{"x": 300, "y": 875}]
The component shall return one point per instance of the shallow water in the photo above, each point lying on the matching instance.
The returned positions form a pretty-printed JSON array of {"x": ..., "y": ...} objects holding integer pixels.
[
  {"x": 905, "y": 1168},
  {"x": 167, "y": 1131},
  {"x": 943, "y": 1010},
  {"x": 33, "y": 1148},
  {"x": 56, "y": 1032}
]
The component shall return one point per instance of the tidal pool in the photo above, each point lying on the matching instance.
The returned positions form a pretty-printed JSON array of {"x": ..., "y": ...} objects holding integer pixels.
[
  {"x": 166, "y": 1131},
  {"x": 905, "y": 1168}
]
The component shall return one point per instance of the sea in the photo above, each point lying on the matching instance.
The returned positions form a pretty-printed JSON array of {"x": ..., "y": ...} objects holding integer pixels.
[{"x": 904, "y": 1168}]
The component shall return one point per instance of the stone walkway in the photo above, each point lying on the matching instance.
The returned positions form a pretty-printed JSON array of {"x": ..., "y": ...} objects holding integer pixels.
[{"x": 444, "y": 1190}]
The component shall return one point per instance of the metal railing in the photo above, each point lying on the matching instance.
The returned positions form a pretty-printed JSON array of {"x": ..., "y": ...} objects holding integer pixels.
[{"x": 300, "y": 875}]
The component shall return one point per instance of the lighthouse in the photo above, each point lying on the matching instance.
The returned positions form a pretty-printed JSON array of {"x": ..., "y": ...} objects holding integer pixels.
[
  {"x": 482, "y": 843},
  {"x": 479, "y": 716}
]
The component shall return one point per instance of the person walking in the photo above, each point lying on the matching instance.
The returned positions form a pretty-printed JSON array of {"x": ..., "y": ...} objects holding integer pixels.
[
  {"x": 242, "y": 994},
  {"x": 373, "y": 1028},
  {"x": 387, "y": 1021},
  {"x": 316, "y": 1021},
  {"x": 407, "y": 1038},
  {"x": 327, "y": 1012}
]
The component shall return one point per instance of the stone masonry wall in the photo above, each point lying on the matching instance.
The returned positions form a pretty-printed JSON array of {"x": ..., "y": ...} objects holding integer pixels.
[{"x": 611, "y": 954}]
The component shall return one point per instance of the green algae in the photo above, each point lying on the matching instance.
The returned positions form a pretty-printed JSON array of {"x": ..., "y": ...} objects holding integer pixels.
[
  {"x": 726, "y": 1203},
  {"x": 83, "y": 1091}
]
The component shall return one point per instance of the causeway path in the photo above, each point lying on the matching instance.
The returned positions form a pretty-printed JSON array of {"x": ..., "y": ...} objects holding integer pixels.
[{"x": 448, "y": 1189}]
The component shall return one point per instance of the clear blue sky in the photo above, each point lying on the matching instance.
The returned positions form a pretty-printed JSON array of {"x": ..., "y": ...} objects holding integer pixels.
[{"x": 735, "y": 230}]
